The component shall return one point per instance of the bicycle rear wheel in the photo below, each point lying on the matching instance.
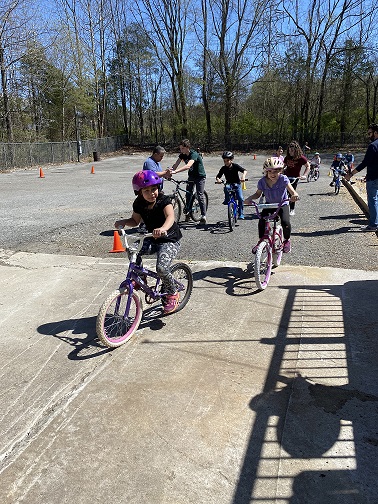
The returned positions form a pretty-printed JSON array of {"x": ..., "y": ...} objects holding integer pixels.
[
  {"x": 278, "y": 247},
  {"x": 184, "y": 281},
  {"x": 195, "y": 212},
  {"x": 263, "y": 265},
  {"x": 113, "y": 326},
  {"x": 231, "y": 215}
]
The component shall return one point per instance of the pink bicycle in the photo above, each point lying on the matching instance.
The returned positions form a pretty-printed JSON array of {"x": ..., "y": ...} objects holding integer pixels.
[{"x": 270, "y": 247}]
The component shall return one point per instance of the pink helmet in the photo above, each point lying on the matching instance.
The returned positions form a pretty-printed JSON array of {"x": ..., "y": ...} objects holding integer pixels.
[{"x": 145, "y": 178}]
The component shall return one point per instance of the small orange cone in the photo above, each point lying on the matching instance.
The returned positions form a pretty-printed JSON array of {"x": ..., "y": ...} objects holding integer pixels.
[
  {"x": 254, "y": 156},
  {"x": 92, "y": 170},
  {"x": 117, "y": 244},
  {"x": 41, "y": 174}
]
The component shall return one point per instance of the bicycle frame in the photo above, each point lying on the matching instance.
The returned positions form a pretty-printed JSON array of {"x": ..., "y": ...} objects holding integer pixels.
[
  {"x": 178, "y": 198},
  {"x": 232, "y": 204},
  {"x": 271, "y": 220},
  {"x": 269, "y": 249},
  {"x": 137, "y": 273},
  {"x": 178, "y": 193}
]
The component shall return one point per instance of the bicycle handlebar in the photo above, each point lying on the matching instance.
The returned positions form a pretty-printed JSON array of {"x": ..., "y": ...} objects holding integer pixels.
[
  {"x": 178, "y": 182},
  {"x": 139, "y": 239},
  {"x": 263, "y": 206},
  {"x": 221, "y": 181}
]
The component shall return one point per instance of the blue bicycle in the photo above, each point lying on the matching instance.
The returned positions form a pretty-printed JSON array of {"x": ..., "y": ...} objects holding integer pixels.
[{"x": 233, "y": 210}]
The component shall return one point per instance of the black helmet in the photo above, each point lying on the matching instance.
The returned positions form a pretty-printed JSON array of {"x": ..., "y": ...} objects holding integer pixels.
[{"x": 227, "y": 155}]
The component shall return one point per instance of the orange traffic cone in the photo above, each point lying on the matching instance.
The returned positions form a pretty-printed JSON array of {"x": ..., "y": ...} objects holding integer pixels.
[
  {"x": 117, "y": 243},
  {"x": 92, "y": 170},
  {"x": 41, "y": 174},
  {"x": 254, "y": 156}
]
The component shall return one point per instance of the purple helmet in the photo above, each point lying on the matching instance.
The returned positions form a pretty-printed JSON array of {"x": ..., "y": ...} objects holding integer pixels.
[{"x": 145, "y": 178}]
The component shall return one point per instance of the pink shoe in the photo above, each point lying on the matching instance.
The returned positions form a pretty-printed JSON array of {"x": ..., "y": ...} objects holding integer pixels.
[
  {"x": 286, "y": 246},
  {"x": 171, "y": 302}
]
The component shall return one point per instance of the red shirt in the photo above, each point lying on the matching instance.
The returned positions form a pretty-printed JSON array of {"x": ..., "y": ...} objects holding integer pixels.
[{"x": 293, "y": 166}]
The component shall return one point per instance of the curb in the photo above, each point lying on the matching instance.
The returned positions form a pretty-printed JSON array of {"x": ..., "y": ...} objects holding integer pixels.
[{"x": 357, "y": 198}]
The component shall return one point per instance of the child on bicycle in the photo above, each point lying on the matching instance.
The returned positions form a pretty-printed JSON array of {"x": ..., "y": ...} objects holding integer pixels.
[
  {"x": 338, "y": 167},
  {"x": 275, "y": 186},
  {"x": 231, "y": 172},
  {"x": 156, "y": 210}
]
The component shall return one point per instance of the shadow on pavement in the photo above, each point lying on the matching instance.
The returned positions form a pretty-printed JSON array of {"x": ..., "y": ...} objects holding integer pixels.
[{"x": 318, "y": 407}]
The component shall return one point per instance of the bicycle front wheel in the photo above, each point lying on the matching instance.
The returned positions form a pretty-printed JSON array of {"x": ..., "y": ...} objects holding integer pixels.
[
  {"x": 231, "y": 215},
  {"x": 184, "y": 282},
  {"x": 177, "y": 208},
  {"x": 196, "y": 210},
  {"x": 113, "y": 325},
  {"x": 278, "y": 247},
  {"x": 337, "y": 188},
  {"x": 316, "y": 176},
  {"x": 263, "y": 265}
]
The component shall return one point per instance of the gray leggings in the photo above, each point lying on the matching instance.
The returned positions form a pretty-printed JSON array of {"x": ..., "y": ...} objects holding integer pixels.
[{"x": 166, "y": 253}]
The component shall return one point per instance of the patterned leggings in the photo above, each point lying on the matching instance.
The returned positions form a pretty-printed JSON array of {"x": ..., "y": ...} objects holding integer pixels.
[{"x": 166, "y": 253}]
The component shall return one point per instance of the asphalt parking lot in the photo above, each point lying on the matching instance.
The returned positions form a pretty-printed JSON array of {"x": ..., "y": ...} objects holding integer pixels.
[{"x": 243, "y": 396}]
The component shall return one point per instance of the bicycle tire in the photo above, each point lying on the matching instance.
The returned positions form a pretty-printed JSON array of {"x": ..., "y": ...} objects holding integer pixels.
[
  {"x": 231, "y": 215},
  {"x": 177, "y": 208},
  {"x": 183, "y": 276},
  {"x": 263, "y": 265},
  {"x": 316, "y": 176},
  {"x": 309, "y": 177},
  {"x": 337, "y": 188},
  {"x": 112, "y": 329},
  {"x": 195, "y": 211},
  {"x": 278, "y": 241}
]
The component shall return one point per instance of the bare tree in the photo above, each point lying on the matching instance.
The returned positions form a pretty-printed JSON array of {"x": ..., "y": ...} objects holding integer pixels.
[
  {"x": 165, "y": 23},
  {"x": 14, "y": 33},
  {"x": 236, "y": 26}
]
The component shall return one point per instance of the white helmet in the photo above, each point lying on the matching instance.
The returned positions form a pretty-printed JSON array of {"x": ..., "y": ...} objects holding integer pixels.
[{"x": 273, "y": 163}]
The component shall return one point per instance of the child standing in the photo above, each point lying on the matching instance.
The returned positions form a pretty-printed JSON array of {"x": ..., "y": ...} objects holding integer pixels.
[
  {"x": 231, "y": 172},
  {"x": 275, "y": 186},
  {"x": 156, "y": 210}
]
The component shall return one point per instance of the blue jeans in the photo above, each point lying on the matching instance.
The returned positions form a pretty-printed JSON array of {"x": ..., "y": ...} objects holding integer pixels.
[
  {"x": 239, "y": 195},
  {"x": 372, "y": 200}
]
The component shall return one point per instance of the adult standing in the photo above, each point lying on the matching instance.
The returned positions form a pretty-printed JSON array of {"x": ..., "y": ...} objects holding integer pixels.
[
  {"x": 153, "y": 162},
  {"x": 349, "y": 159},
  {"x": 294, "y": 161},
  {"x": 196, "y": 176},
  {"x": 370, "y": 162}
]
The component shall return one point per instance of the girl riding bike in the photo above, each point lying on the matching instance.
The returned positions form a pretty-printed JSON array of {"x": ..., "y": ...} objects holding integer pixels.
[
  {"x": 156, "y": 210},
  {"x": 275, "y": 186}
]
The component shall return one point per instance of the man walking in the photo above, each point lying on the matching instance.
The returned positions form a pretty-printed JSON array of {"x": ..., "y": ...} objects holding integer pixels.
[{"x": 370, "y": 162}]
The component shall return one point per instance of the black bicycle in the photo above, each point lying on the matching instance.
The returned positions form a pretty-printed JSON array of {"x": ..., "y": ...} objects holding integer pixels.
[{"x": 178, "y": 198}]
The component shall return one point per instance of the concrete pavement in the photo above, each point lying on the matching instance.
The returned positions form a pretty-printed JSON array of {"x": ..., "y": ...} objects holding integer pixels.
[{"x": 243, "y": 396}]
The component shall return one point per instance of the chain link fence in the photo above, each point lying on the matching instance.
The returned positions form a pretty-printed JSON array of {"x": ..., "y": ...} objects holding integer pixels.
[{"x": 24, "y": 155}]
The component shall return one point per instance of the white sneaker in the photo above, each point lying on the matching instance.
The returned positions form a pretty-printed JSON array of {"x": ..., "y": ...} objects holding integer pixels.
[
  {"x": 292, "y": 212},
  {"x": 203, "y": 219}
]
